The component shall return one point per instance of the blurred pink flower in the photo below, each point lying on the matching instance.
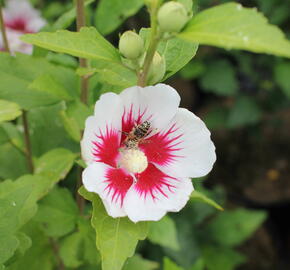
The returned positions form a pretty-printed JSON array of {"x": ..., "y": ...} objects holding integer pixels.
[
  {"x": 20, "y": 18},
  {"x": 147, "y": 179}
]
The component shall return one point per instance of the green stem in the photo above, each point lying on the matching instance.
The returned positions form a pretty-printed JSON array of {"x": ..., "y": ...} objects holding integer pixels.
[
  {"x": 80, "y": 200},
  {"x": 81, "y": 21},
  {"x": 3, "y": 32},
  {"x": 55, "y": 249},
  {"x": 28, "y": 151},
  {"x": 153, "y": 43}
]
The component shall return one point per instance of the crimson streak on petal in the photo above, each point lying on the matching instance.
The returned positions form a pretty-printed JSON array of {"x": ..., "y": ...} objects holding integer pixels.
[
  {"x": 106, "y": 147},
  {"x": 154, "y": 182},
  {"x": 162, "y": 147},
  {"x": 118, "y": 183},
  {"x": 18, "y": 24}
]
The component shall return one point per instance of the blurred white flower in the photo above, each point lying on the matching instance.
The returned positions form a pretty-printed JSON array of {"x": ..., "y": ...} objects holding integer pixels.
[{"x": 20, "y": 18}]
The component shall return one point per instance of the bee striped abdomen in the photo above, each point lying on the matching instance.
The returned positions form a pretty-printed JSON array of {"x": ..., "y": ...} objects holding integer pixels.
[
  {"x": 137, "y": 134},
  {"x": 141, "y": 130}
]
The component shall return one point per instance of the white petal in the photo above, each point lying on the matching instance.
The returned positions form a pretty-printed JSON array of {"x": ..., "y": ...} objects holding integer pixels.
[
  {"x": 141, "y": 208},
  {"x": 15, "y": 43},
  {"x": 114, "y": 210},
  {"x": 108, "y": 115},
  {"x": 159, "y": 103},
  {"x": 94, "y": 177},
  {"x": 195, "y": 154},
  {"x": 36, "y": 24}
]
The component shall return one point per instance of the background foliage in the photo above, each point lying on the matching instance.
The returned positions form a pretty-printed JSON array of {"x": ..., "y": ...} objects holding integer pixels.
[{"x": 243, "y": 97}]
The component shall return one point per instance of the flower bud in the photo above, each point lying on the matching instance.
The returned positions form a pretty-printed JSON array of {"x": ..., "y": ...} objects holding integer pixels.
[
  {"x": 131, "y": 45},
  {"x": 172, "y": 16},
  {"x": 157, "y": 69}
]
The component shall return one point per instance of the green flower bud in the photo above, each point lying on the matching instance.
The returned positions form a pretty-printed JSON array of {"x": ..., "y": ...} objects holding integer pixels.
[
  {"x": 131, "y": 45},
  {"x": 157, "y": 69},
  {"x": 172, "y": 16}
]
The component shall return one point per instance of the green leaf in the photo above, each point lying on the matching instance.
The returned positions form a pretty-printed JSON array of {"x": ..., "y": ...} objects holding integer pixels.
[
  {"x": 177, "y": 52},
  {"x": 53, "y": 10},
  {"x": 80, "y": 248},
  {"x": 137, "y": 262},
  {"x": 199, "y": 265},
  {"x": 220, "y": 258},
  {"x": 245, "y": 112},
  {"x": 187, "y": 238},
  {"x": 55, "y": 163},
  {"x": 116, "y": 237},
  {"x": 62, "y": 59},
  {"x": 170, "y": 265},
  {"x": 111, "y": 13},
  {"x": 11, "y": 152},
  {"x": 9, "y": 244},
  {"x": 81, "y": 163},
  {"x": 66, "y": 19},
  {"x": 164, "y": 233},
  {"x": 47, "y": 131},
  {"x": 202, "y": 211},
  {"x": 17, "y": 73},
  {"x": 8, "y": 110},
  {"x": 78, "y": 111},
  {"x": 192, "y": 70},
  {"x": 232, "y": 26},
  {"x": 47, "y": 84},
  {"x": 3, "y": 135},
  {"x": 20, "y": 197},
  {"x": 216, "y": 117},
  {"x": 40, "y": 255},
  {"x": 18, "y": 205},
  {"x": 115, "y": 75},
  {"x": 57, "y": 213},
  {"x": 87, "y": 43},
  {"x": 282, "y": 71},
  {"x": 24, "y": 243},
  {"x": 13, "y": 135},
  {"x": 220, "y": 78},
  {"x": 188, "y": 4},
  {"x": 231, "y": 228},
  {"x": 105, "y": 88},
  {"x": 71, "y": 126},
  {"x": 70, "y": 248},
  {"x": 198, "y": 196},
  {"x": 86, "y": 71},
  {"x": 9, "y": 156}
]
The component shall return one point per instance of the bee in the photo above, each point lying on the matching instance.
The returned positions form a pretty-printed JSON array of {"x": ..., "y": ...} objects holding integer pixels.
[{"x": 137, "y": 134}]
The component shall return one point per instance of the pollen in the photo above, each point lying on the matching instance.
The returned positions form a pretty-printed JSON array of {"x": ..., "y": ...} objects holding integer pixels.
[{"x": 133, "y": 160}]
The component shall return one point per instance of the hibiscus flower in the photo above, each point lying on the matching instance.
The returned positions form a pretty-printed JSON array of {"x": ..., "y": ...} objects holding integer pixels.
[
  {"x": 20, "y": 18},
  {"x": 147, "y": 179}
]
